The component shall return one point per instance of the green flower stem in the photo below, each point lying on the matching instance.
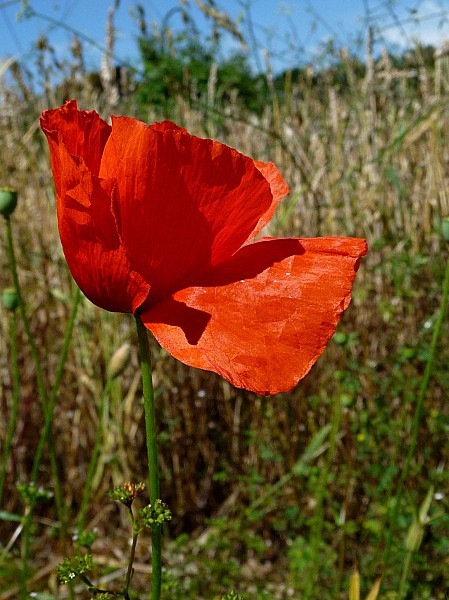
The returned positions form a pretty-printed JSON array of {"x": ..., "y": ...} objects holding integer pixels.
[
  {"x": 417, "y": 417},
  {"x": 15, "y": 400},
  {"x": 318, "y": 519},
  {"x": 151, "y": 437},
  {"x": 37, "y": 364},
  {"x": 94, "y": 457}
]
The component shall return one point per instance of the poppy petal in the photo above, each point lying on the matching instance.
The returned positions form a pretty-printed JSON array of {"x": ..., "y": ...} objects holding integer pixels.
[
  {"x": 83, "y": 133},
  {"x": 166, "y": 126},
  {"x": 264, "y": 317},
  {"x": 279, "y": 189},
  {"x": 97, "y": 259},
  {"x": 184, "y": 204}
]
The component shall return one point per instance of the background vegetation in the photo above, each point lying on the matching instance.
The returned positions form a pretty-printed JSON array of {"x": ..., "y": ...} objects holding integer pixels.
[{"x": 277, "y": 497}]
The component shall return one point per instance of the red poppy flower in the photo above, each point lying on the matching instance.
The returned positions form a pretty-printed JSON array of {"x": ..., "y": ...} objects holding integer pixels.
[{"x": 158, "y": 222}]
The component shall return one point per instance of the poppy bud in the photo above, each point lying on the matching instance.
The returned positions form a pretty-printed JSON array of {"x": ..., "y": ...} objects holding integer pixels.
[
  {"x": 8, "y": 201},
  {"x": 10, "y": 299},
  {"x": 445, "y": 228},
  {"x": 119, "y": 361}
]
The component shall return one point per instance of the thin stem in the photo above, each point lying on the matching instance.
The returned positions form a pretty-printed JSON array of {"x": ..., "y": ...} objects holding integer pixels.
[
  {"x": 417, "y": 416},
  {"x": 86, "y": 580},
  {"x": 15, "y": 400},
  {"x": 25, "y": 549},
  {"x": 130, "y": 565},
  {"x": 26, "y": 325},
  {"x": 37, "y": 364},
  {"x": 404, "y": 575},
  {"x": 45, "y": 406},
  {"x": 151, "y": 437},
  {"x": 129, "y": 572},
  {"x": 94, "y": 457}
]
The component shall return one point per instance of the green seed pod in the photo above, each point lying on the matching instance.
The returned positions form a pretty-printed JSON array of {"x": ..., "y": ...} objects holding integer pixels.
[
  {"x": 8, "y": 201},
  {"x": 10, "y": 299},
  {"x": 445, "y": 228},
  {"x": 119, "y": 361}
]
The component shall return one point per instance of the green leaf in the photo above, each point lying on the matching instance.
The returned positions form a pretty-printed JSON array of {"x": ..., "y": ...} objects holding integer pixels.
[{"x": 7, "y": 516}]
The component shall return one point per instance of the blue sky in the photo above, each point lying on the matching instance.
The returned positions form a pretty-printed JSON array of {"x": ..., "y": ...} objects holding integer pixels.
[{"x": 290, "y": 30}]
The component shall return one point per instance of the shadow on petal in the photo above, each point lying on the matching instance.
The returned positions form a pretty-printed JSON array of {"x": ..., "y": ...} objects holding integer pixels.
[
  {"x": 251, "y": 260},
  {"x": 192, "y": 321}
]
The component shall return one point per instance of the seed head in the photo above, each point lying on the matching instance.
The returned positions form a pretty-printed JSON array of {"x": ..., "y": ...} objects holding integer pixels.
[
  {"x": 10, "y": 299},
  {"x": 8, "y": 201}
]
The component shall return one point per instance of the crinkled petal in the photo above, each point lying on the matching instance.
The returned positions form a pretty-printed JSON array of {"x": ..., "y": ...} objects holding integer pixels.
[
  {"x": 167, "y": 126},
  {"x": 96, "y": 257},
  {"x": 83, "y": 133},
  {"x": 184, "y": 204},
  {"x": 263, "y": 318},
  {"x": 279, "y": 189}
]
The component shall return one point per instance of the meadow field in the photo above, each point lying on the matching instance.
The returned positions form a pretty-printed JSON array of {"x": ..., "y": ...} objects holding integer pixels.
[{"x": 292, "y": 496}]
